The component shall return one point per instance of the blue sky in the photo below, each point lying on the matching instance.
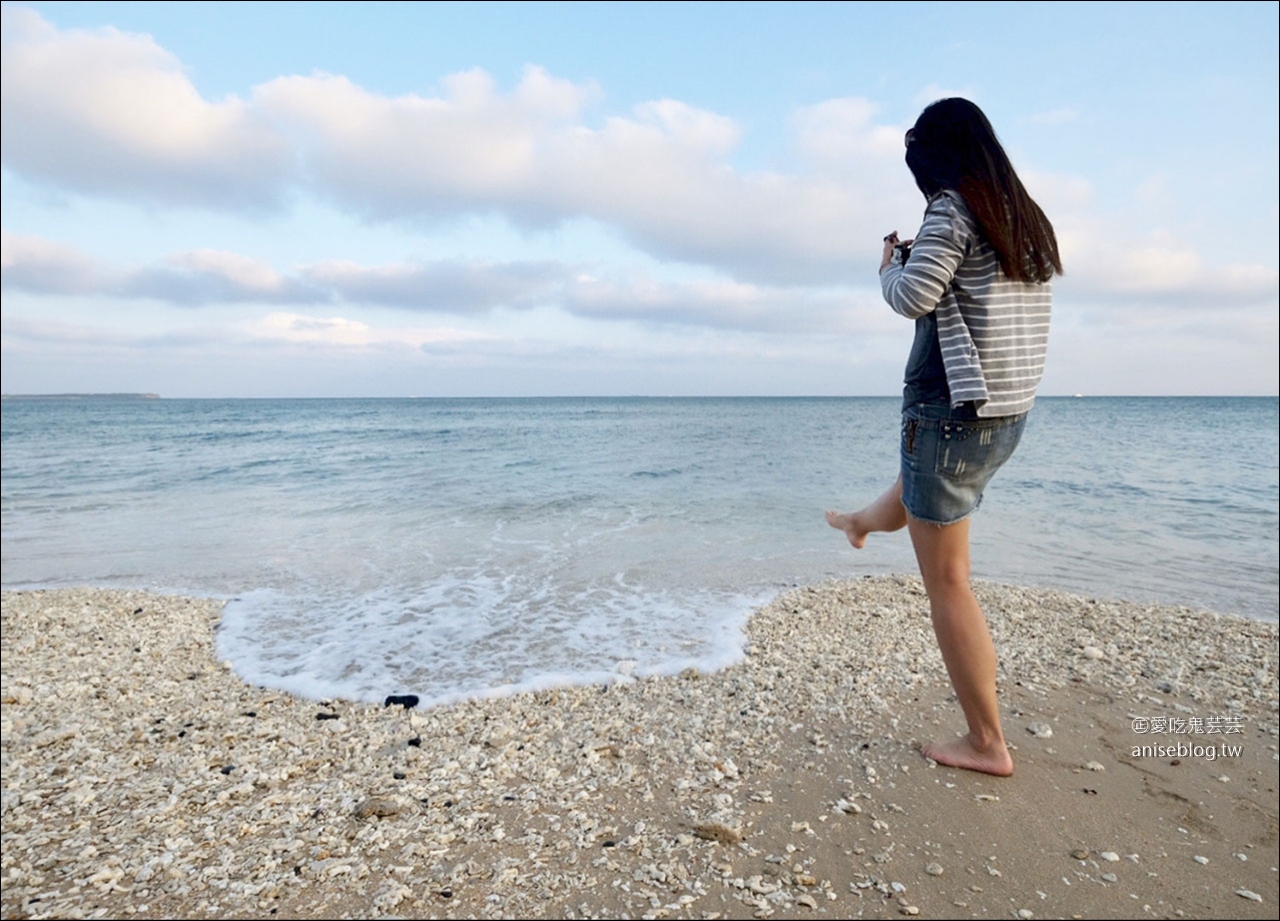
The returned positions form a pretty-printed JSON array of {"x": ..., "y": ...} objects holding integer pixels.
[{"x": 526, "y": 199}]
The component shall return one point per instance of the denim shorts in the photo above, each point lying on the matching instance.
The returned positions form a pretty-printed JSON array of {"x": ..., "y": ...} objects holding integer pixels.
[{"x": 949, "y": 455}]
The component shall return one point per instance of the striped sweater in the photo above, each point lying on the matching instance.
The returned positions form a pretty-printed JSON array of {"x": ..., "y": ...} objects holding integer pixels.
[{"x": 993, "y": 331}]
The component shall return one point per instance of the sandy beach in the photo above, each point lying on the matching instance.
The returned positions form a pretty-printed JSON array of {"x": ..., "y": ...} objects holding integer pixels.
[{"x": 142, "y": 778}]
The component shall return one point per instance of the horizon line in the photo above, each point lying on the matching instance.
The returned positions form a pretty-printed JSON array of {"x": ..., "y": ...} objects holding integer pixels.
[{"x": 88, "y": 395}]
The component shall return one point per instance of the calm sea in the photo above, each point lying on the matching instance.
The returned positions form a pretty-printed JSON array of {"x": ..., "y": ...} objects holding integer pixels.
[{"x": 466, "y": 547}]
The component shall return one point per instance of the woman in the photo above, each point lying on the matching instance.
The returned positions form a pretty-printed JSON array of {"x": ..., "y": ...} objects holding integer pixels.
[{"x": 976, "y": 282}]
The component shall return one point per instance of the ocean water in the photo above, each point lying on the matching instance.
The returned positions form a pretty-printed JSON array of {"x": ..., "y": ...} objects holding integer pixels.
[{"x": 455, "y": 548}]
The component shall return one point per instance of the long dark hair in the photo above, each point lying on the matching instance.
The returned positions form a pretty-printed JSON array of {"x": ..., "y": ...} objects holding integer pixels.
[{"x": 953, "y": 146}]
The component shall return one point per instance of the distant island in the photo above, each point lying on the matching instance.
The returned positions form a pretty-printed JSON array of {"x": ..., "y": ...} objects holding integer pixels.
[{"x": 79, "y": 396}]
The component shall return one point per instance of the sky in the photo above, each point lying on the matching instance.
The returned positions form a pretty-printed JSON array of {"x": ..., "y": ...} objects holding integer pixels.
[{"x": 493, "y": 199}]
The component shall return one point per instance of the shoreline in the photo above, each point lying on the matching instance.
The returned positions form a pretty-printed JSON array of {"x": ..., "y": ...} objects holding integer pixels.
[{"x": 143, "y": 778}]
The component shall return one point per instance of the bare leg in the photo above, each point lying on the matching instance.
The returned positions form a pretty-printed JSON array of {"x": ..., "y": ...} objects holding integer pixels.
[
  {"x": 884, "y": 514},
  {"x": 967, "y": 649}
]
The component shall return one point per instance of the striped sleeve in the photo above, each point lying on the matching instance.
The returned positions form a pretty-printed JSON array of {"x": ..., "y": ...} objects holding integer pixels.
[{"x": 915, "y": 287}]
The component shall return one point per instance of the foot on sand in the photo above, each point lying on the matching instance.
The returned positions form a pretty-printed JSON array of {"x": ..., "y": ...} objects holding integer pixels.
[
  {"x": 962, "y": 753},
  {"x": 851, "y": 525}
]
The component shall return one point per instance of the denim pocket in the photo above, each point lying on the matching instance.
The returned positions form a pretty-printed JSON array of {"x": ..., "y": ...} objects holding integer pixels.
[{"x": 972, "y": 450}]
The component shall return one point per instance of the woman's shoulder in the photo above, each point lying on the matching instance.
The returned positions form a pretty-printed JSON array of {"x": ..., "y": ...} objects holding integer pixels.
[
  {"x": 947, "y": 209},
  {"x": 949, "y": 203}
]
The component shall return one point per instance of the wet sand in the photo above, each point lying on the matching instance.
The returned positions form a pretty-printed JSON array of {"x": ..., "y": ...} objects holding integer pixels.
[{"x": 142, "y": 778}]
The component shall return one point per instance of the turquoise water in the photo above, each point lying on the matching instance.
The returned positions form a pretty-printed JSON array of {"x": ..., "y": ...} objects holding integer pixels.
[{"x": 463, "y": 547}]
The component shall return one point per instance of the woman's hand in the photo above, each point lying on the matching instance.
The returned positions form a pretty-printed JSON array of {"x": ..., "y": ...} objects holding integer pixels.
[{"x": 889, "y": 243}]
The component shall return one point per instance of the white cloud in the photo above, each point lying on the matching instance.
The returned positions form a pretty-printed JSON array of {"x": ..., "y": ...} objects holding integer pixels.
[
  {"x": 411, "y": 154},
  {"x": 300, "y": 329},
  {"x": 274, "y": 329},
  {"x": 1155, "y": 271},
  {"x": 1156, "y": 267},
  {"x": 56, "y": 332},
  {"x": 205, "y": 277},
  {"x": 189, "y": 279},
  {"x": 464, "y": 287},
  {"x": 109, "y": 112},
  {"x": 660, "y": 175},
  {"x": 727, "y": 304},
  {"x": 242, "y": 271},
  {"x": 113, "y": 113},
  {"x": 697, "y": 130},
  {"x": 841, "y": 134},
  {"x": 449, "y": 286},
  {"x": 1058, "y": 193},
  {"x": 36, "y": 264},
  {"x": 1116, "y": 257}
]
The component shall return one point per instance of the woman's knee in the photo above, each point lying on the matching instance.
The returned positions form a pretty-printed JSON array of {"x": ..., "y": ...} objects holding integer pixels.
[
  {"x": 947, "y": 576},
  {"x": 943, "y": 554}
]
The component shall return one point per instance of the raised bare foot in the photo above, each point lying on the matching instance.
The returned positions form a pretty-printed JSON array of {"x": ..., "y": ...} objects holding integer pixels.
[
  {"x": 851, "y": 525},
  {"x": 962, "y": 753}
]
